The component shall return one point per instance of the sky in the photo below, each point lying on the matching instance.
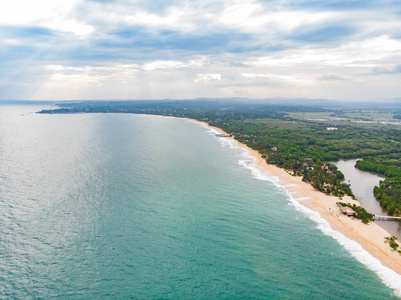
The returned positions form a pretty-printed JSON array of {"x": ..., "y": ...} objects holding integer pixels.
[{"x": 182, "y": 49}]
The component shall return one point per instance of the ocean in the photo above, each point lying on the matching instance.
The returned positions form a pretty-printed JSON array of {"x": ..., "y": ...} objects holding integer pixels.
[{"x": 127, "y": 206}]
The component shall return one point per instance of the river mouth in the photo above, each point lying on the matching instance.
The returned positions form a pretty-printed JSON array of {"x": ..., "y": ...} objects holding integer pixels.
[{"x": 362, "y": 184}]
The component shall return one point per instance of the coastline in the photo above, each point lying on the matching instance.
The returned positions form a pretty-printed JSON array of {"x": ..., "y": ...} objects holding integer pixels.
[{"x": 370, "y": 237}]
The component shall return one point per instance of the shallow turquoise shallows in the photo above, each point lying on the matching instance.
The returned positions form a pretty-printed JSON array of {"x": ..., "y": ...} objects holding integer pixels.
[{"x": 145, "y": 207}]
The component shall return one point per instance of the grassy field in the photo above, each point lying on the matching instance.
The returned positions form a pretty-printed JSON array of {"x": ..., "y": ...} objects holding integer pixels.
[{"x": 335, "y": 119}]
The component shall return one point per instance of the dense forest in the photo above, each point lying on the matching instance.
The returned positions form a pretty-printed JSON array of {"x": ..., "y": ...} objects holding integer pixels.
[{"x": 303, "y": 146}]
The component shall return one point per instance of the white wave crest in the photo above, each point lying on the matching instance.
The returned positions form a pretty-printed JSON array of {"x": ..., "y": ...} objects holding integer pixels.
[
  {"x": 387, "y": 275},
  {"x": 225, "y": 141}
]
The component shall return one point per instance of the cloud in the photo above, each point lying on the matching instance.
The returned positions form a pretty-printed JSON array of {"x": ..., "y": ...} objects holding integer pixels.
[
  {"x": 389, "y": 70},
  {"x": 207, "y": 77},
  {"x": 322, "y": 34},
  {"x": 343, "y": 4},
  {"x": 28, "y": 12},
  {"x": 181, "y": 48},
  {"x": 330, "y": 77},
  {"x": 139, "y": 37},
  {"x": 25, "y": 31},
  {"x": 49, "y": 14}
]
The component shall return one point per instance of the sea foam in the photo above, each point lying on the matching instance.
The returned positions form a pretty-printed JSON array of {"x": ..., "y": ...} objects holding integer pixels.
[{"x": 389, "y": 277}]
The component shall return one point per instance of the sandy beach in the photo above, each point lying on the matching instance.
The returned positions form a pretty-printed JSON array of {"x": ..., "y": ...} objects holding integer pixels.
[{"x": 371, "y": 237}]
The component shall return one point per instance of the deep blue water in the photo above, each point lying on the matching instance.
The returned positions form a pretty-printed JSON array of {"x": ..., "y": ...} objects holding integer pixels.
[{"x": 147, "y": 207}]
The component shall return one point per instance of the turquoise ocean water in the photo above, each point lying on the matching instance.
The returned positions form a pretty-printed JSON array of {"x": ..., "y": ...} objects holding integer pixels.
[{"x": 145, "y": 207}]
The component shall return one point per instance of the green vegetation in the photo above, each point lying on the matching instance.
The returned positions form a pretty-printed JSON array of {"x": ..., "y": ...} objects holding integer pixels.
[
  {"x": 301, "y": 139},
  {"x": 394, "y": 245},
  {"x": 392, "y": 242},
  {"x": 389, "y": 195},
  {"x": 304, "y": 147},
  {"x": 360, "y": 212},
  {"x": 388, "y": 165}
]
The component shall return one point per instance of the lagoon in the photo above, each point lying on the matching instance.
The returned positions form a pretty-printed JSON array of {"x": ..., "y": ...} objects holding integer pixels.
[{"x": 362, "y": 184}]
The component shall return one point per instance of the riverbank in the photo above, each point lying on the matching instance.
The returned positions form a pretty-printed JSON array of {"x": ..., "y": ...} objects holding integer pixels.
[
  {"x": 370, "y": 237},
  {"x": 362, "y": 184}
]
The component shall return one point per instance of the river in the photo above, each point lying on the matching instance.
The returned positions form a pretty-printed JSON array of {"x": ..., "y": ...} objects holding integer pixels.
[{"x": 362, "y": 184}]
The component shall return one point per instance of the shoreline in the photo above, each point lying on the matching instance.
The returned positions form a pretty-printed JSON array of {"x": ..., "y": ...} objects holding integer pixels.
[{"x": 370, "y": 237}]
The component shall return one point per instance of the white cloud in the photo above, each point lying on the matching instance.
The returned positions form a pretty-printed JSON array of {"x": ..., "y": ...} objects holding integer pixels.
[
  {"x": 18, "y": 12},
  {"x": 184, "y": 18},
  {"x": 207, "y": 77},
  {"x": 329, "y": 77},
  {"x": 368, "y": 53},
  {"x": 68, "y": 26},
  {"x": 90, "y": 73},
  {"x": 277, "y": 80},
  {"x": 52, "y": 14},
  {"x": 13, "y": 42},
  {"x": 163, "y": 65},
  {"x": 255, "y": 17},
  {"x": 172, "y": 64}
]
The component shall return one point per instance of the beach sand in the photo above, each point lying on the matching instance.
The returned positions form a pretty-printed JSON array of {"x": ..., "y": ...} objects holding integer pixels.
[{"x": 371, "y": 237}]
